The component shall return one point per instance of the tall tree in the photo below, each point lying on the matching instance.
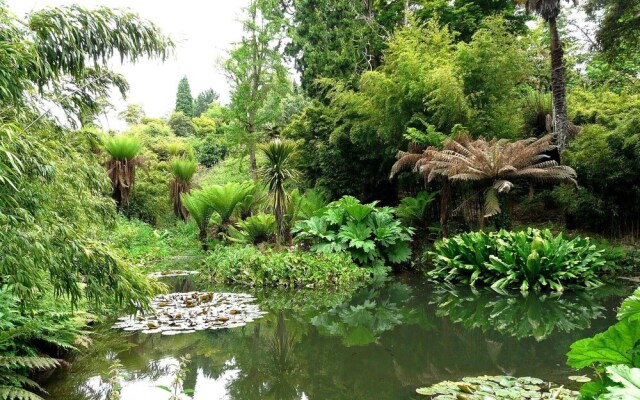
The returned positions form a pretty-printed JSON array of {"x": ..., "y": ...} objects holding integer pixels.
[
  {"x": 336, "y": 39},
  {"x": 619, "y": 27},
  {"x": 549, "y": 10},
  {"x": 257, "y": 75},
  {"x": 132, "y": 114},
  {"x": 202, "y": 102},
  {"x": 184, "y": 100}
]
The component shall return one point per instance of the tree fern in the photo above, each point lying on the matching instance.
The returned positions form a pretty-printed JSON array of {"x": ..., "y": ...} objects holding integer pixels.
[{"x": 495, "y": 164}]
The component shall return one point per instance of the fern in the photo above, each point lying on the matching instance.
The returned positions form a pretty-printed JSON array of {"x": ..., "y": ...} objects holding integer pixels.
[{"x": 256, "y": 229}]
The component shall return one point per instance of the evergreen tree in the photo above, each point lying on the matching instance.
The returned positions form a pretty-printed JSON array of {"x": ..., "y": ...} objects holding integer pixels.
[
  {"x": 184, "y": 100},
  {"x": 202, "y": 102}
]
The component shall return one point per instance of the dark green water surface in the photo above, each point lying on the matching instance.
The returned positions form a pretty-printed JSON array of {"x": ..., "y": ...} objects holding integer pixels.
[{"x": 377, "y": 343}]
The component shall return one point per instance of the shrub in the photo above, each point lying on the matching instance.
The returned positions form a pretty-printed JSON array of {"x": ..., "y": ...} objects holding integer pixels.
[
  {"x": 149, "y": 200},
  {"x": 181, "y": 124},
  {"x": 248, "y": 265},
  {"x": 369, "y": 234},
  {"x": 210, "y": 151},
  {"x": 531, "y": 259},
  {"x": 412, "y": 211}
]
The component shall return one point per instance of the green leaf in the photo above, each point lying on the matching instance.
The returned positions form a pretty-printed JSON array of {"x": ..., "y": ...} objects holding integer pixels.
[
  {"x": 628, "y": 380},
  {"x": 614, "y": 346},
  {"x": 630, "y": 308}
]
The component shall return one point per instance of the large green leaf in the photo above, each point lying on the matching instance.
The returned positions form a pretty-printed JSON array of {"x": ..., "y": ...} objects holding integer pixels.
[
  {"x": 628, "y": 383},
  {"x": 630, "y": 308},
  {"x": 614, "y": 346}
]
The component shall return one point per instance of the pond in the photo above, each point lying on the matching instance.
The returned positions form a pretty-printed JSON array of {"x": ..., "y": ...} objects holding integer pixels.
[{"x": 381, "y": 342}]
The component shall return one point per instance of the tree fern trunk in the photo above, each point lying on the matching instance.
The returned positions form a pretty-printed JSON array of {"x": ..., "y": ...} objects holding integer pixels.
[
  {"x": 203, "y": 239},
  {"x": 252, "y": 162},
  {"x": 560, "y": 118}
]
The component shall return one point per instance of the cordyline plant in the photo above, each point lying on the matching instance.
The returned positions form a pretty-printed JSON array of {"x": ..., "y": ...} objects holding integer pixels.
[
  {"x": 278, "y": 169},
  {"x": 123, "y": 152},
  {"x": 183, "y": 172},
  {"x": 497, "y": 164}
]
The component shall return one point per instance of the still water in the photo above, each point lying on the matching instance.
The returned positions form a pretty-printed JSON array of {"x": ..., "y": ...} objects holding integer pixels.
[{"x": 380, "y": 342}]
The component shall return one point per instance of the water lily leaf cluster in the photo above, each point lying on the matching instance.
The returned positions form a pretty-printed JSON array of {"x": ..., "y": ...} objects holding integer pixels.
[
  {"x": 193, "y": 311},
  {"x": 529, "y": 260},
  {"x": 497, "y": 387}
]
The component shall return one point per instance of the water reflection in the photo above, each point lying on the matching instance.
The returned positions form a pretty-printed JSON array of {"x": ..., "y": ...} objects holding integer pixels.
[
  {"x": 519, "y": 315},
  {"x": 379, "y": 343}
]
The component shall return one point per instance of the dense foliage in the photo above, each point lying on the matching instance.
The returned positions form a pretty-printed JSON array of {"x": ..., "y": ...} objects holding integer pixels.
[
  {"x": 528, "y": 260},
  {"x": 370, "y": 234},
  {"x": 249, "y": 266}
]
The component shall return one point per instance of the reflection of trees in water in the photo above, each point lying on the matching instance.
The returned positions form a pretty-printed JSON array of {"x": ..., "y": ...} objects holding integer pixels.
[
  {"x": 284, "y": 355},
  {"x": 370, "y": 313},
  {"x": 489, "y": 333},
  {"x": 522, "y": 316}
]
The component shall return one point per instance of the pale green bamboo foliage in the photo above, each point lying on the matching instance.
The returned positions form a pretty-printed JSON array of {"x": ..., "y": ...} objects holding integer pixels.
[{"x": 279, "y": 169}]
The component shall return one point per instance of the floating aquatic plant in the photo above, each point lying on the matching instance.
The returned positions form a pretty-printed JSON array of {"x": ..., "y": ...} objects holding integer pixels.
[
  {"x": 172, "y": 273},
  {"x": 497, "y": 387},
  {"x": 193, "y": 311}
]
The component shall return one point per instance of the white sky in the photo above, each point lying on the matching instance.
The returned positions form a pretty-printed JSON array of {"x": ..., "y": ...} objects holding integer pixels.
[{"x": 203, "y": 30}]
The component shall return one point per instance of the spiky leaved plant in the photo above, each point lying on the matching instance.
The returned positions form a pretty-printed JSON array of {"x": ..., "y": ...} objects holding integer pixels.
[
  {"x": 200, "y": 209},
  {"x": 183, "y": 171},
  {"x": 224, "y": 199},
  {"x": 256, "y": 229},
  {"x": 279, "y": 168},
  {"x": 124, "y": 157},
  {"x": 496, "y": 163},
  {"x": 220, "y": 199}
]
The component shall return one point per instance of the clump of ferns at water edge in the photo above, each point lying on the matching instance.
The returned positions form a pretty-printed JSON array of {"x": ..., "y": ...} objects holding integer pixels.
[{"x": 529, "y": 260}]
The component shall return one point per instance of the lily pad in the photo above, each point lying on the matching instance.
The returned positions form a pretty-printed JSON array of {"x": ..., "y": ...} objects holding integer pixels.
[
  {"x": 172, "y": 273},
  {"x": 176, "y": 313},
  {"x": 497, "y": 387}
]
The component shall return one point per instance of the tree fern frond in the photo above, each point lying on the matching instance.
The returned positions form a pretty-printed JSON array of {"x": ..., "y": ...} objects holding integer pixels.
[
  {"x": 491, "y": 203},
  {"x": 29, "y": 362},
  {"x": 15, "y": 393}
]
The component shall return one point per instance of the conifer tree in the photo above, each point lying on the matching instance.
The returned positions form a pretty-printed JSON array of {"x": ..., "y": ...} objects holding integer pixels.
[{"x": 184, "y": 100}]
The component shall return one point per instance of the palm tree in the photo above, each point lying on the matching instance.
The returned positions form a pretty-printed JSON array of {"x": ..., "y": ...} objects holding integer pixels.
[
  {"x": 496, "y": 164},
  {"x": 183, "y": 172},
  {"x": 277, "y": 170},
  {"x": 549, "y": 10},
  {"x": 123, "y": 159}
]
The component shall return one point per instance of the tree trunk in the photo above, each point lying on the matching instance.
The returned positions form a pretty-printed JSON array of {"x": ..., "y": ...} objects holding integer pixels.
[
  {"x": 560, "y": 118},
  {"x": 203, "y": 239},
  {"x": 405, "y": 20},
  {"x": 445, "y": 198},
  {"x": 252, "y": 162}
]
